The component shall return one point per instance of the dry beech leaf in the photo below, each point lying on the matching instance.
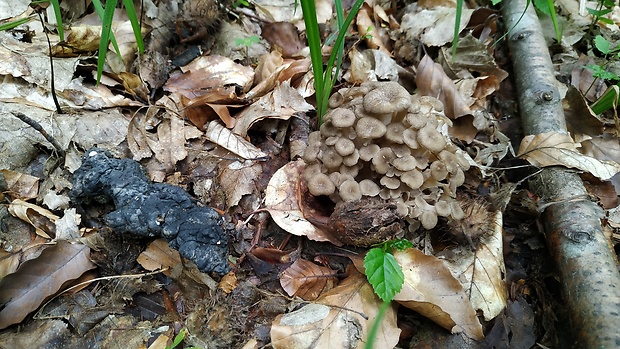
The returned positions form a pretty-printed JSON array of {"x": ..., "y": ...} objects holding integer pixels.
[
  {"x": 431, "y": 290},
  {"x": 281, "y": 103},
  {"x": 21, "y": 185},
  {"x": 267, "y": 65},
  {"x": 556, "y": 149},
  {"x": 366, "y": 26},
  {"x": 170, "y": 147},
  {"x": 340, "y": 318},
  {"x": 580, "y": 119},
  {"x": 307, "y": 280},
  {"x": 283, "y": 35},
  {"x": 41, "y": 219},
  {"x": 213, "y": 105},
  {"x": 207, "y": 72},
  {"x": 232, "y": 142},
  {"x": 606, "y": 148},
  {"x": 287, "y": 71},
  {"x": 9, "y": 261},
  {"x": 282, "y": 202},
  {"x": 138, "y": 139},
  {"x": 433, "y": 81},
  {"x": 159, "y": 255},
  {"x": 482, "y": 271},
  {"x": 239, "y": 179},
  {"x": 36, "y": 280}
]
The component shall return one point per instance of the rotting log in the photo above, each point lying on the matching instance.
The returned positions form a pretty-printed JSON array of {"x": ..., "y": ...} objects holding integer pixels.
[{"x": 572, "y": 222}]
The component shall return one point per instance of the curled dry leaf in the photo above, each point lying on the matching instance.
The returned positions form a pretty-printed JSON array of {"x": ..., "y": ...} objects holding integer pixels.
[
  {"x": 581, "y": 121},
  {"x": 232, "y": 142},
  {"x": 239, "y": 179},
  {"x": 41, "y": 219},
  {"x": 35, "y": 280},
  {"x": 433, "y": 81},
  {"x": 431, "y": 290},
  {"x": 556, "y": 149},
  {"x": 159, "y": 255},
  {"x": 340, "y": 318},
  {"x": 307, "y": 280},
  {"x": 281, "y": 103},
  {"x": 282, "y": 202},
  {"x": 367, "y": 28}
]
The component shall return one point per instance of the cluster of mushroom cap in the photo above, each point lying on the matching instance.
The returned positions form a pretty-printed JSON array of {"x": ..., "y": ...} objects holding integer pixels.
[{"x": 377, "y": 140}]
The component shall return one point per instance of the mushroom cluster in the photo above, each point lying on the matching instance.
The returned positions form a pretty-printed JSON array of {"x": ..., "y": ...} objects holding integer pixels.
[{"x": 377, "y": 140}]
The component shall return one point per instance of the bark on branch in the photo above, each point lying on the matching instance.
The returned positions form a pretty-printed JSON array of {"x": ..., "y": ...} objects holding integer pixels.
[{"x": 572, "y": 222}]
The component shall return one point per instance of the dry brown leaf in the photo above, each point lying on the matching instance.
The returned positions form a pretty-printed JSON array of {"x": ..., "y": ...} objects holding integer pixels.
[
  {"x": 472, "y": 55},
  {"x": 287, "y": 71},
  {"x": 232, "y": 142},
  {"x": 605, "y": 148},
  {"x": 281, "y": 200},
  {"x": 556, "y": 149},
  {"x": 9, "y": 261},
  {"x": 580, "y": 119},
  {"x": 159, "y": 255},
  {"x": 228, "y": 282},
  {"x": 482, "y": 271},
  {"x": 134, "y": 85},
  {"x": 341, "y": 318},
  {"x": 283, "y": 35},
  {"x": 34, "y": 281},
  {"x": 307, "y": 280},
  {"x": 367, "y": 28},
  {"x": 138, "y": 138},
  {"x": 431, "y": 290},
  {"x": 239, "y": 179},
  {"x": 41, "y": 219},
  {"x": 281, "y": 103},
  {"x": 80, "y": 39},
  {"x": 21, "y": 185},
  {"x": 429, "y": 25},
  {"x": 432, "y": 81},
  {"x": 207, "y": 72},
  {"x": 267, "y": 65},
  {"x": 212, "y": 105},
  {"x": 170, "y": 147}
]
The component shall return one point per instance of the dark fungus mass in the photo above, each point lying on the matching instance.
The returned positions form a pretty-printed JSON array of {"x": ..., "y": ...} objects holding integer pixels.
[{"x": 152, "y": 209}]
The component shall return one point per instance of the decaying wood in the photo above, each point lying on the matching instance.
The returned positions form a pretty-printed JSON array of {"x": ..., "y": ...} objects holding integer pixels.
[{"x": 572, "y": 222}]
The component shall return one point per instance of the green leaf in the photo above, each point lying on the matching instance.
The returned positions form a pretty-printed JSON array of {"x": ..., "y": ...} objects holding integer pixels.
[
  {"x": 541, "y": 5},
  {"x": 605, "y": 20},
  {"x": 495, "y": 2},
  {"x": 600, "y": 72},
  {"x": 457, "y": 25},
  {"x": 384, "y": 273},
  {"x": 598, "y": 13},
  {"x": 602, "y": 44},
  {"x": 400, "y": 245},
  {"x": 314, "y": 43},
  {"x": 106, "y": 29}
]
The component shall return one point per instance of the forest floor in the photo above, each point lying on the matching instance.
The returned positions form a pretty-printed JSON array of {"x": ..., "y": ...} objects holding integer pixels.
[{"x": 216, "y": 240}]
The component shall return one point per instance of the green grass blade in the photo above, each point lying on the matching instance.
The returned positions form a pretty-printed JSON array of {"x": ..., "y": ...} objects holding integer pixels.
[
  {"x": 554, "y": 19},
  {"x": 106, "y": 32},
  {"x": 99, "y": 10},
  {"x": 457, "y": 25},
  {"x": 135, "y": 24},
  {"x": 607, "y": 101},
  {"x": 13, "y": 24},
  {"x": 338, "y": 52},
  {"x": 314, "y": 42},
  {"x": 61, "y": 31}
]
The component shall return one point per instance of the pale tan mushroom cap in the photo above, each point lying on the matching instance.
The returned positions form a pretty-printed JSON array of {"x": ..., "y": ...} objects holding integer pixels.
[{"x": 378, "y": 141}]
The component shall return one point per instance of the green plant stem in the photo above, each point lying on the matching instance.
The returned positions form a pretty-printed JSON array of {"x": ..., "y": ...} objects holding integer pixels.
[
  {"x": 375, "y": 326},
  {"x": 314, "y": 42}
]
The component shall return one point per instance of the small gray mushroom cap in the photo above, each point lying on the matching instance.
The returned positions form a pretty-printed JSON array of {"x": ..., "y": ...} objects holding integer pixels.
[
  {"x": 321, "y": 184},
  {"x": 370, "y": 128},
  {"x": 387, "y": 98}
]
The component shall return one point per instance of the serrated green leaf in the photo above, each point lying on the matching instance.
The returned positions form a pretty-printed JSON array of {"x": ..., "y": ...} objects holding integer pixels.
[
  {"x": 602, "y": 44},
  {"x": 383, "y": 273}
]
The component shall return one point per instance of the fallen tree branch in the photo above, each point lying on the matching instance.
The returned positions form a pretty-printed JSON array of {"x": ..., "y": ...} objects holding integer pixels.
[{"x": 590, "y": 278}]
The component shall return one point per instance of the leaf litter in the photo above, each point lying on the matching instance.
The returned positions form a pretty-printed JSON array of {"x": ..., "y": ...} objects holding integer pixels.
[{"x": 219, "y": 106}]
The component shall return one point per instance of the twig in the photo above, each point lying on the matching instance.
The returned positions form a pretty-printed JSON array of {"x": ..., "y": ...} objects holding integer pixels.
[{"x": 34, "y": 124}]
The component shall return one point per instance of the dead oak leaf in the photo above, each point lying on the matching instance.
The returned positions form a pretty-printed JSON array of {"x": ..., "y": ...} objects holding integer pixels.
[
  {"x": 431, "y": 290},
  {"x": 232, "y": 142},
  {"x": 557, "y": 149},
  {"x": 307, "y": 280},
  {"x": 239, "y": 179},
  {"x": 341, "y": 318}
]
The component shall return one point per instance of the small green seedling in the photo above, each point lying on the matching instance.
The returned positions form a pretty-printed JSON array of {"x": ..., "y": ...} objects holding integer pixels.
[
  {"x": 178, "y": 339},
  {"x": 385, "y": 276},
  {"x": 247, "y": 42}
]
